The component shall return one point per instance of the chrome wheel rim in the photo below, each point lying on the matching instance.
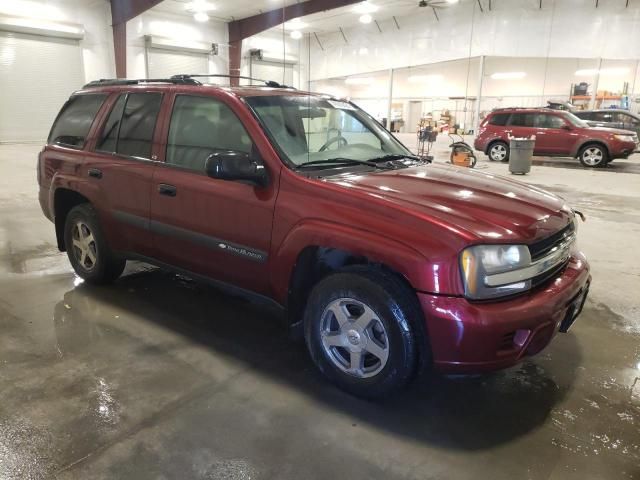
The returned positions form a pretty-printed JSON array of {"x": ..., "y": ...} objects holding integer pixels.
[
  {"x": 592, "y": 156},
  {"x": 354, "y": 338},
  {"x": 84, "y": 246},
  {"x": 498, "y": 152}
]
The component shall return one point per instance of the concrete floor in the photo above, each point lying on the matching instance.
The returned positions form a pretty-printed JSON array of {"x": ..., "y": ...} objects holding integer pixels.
[{"x": 160, "y": 377}]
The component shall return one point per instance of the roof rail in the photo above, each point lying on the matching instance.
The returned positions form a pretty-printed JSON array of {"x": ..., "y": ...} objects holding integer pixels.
[
  {"x": 268, "y": 83},
  {"x": 109, "y": 82}
]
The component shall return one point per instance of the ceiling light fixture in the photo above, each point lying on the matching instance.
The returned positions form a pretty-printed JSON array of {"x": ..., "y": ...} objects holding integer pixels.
[
  {"x": 199, "y": 6},
  {"x": 452, "y": 1},
  {"x": 508, "y": 75},
  {"x": 366, "y": 18},
  {"x": 296, "y": 35},
  {"x": 365, "y": 7},
  {"x": 295, "y": 24},
  {"x": 200, "y": 17}
]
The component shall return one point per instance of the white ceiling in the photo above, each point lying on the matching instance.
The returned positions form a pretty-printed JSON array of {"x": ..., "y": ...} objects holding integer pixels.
[{"x": 329, "y": 21}]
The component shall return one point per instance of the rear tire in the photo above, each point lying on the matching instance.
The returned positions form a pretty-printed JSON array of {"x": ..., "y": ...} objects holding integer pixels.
[
  {"x": 87, "y": 248},
  {"x": 363, "y": 331},
  {"x": 498, "y": 152},
  {"x": 593, "y": 156}
]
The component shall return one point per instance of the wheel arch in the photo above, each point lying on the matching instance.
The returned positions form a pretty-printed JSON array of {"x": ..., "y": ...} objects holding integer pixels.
[
  {"x": 492, "y": 143},
  {"x": 64, "y": 199},
  {"x": 586, "y": 143}
]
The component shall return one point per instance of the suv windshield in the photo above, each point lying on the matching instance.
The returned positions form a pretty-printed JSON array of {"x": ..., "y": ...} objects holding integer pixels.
[
  {"x": 575, "y": 121},
  {"x": 316, "y": 129}
]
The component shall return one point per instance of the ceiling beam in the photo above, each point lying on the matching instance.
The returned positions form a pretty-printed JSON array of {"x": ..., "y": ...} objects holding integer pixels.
[
  {"x": 121, "y": 12},
  {"x": 124, "y": 10},
  {"x": 247, "y": 27}
]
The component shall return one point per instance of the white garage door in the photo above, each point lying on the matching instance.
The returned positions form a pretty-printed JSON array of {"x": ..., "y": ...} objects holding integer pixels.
[
  {"x": 164, "y": 63},
  {"x": 272, "y": 71},
  {"x": 37, "y": 75}
]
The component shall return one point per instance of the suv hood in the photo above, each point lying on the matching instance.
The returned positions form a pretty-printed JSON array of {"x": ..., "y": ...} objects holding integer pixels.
[
  {"x": 613, "y": 131},
  {"x": 481, "y": 207}
]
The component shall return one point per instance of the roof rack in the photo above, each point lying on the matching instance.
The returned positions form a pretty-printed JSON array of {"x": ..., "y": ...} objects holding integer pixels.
[
  {"x": 109, "y": 82},
  {"x": 268, "y": 83}
]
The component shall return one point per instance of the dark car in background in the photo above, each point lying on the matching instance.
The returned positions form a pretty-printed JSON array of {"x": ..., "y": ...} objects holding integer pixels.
[
  {"x": 611, "y": 118},
  {"x": 558, "y": 134}
]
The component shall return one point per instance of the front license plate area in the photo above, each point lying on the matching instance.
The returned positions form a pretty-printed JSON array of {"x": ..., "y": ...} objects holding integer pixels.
[{"x": 574, "y": 309}]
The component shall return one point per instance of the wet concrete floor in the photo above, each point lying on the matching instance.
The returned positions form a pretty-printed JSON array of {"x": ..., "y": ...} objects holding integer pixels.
[{"x": 161, "y": 377}]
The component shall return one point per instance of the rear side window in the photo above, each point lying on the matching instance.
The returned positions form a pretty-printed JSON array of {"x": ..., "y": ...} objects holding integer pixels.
[
  {"x": 108, "y": 139},
  {"x": 522, "y": 119},
  {"x": 74, "y": 120},
  {"x": 499, "y": 119},
  {"x": 130, "y": 126}
]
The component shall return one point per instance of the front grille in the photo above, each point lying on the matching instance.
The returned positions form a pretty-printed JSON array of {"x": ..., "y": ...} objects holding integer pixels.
[
  {"x": 541, "y": 248},
  {"x": 543, "y": 277}
]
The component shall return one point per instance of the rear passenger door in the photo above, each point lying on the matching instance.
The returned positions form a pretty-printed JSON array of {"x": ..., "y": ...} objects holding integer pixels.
[
  {"x": 521, "y": 125},
  {"x": 217, "y": 228},
  {"x": 120, "y": 167}
]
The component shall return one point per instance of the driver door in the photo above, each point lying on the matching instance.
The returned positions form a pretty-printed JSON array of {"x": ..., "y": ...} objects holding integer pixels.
[{"x": 217, "y": 228}]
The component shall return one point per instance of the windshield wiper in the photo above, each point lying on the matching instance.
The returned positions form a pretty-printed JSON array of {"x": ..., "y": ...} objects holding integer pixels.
[
  {"x": 343, "y": 161},
  {"x": 393, "y": 156}
]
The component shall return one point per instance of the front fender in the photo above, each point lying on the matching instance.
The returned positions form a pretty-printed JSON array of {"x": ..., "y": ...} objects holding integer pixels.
[{"x": 377, "y": 248}]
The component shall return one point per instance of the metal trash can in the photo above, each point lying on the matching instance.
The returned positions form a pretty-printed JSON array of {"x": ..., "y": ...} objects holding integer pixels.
[{"x": 520, "y": 153}]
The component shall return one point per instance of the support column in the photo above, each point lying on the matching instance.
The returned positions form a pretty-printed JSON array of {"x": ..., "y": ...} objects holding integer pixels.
[
  {"x": 120, "y": 48},
  {"x": 390, "y": 99},
  {"x": 235, "y": 59},
  {"x": 476, "y": 124},
  {"x": 594, "y": 93}
]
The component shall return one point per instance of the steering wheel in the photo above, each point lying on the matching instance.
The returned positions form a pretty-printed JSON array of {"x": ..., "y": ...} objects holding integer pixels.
[{"x": 343, "y": 142}]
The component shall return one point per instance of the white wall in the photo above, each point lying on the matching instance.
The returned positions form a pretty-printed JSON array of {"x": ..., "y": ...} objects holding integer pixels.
[{"x": 514, "y": 28}]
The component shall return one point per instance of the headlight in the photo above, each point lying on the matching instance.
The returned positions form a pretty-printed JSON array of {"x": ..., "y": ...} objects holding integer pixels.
[
  {"x": 481, "y": 263},
  {"x": 624, "y": 138}
]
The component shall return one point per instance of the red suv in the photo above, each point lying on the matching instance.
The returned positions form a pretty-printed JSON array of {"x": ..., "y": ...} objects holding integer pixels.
[
  {"x": 558, "y": 134},
  {"x": 385, "y": 263}
]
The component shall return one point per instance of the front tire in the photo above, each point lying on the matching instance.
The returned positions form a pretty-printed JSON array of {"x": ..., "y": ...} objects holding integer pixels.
[
  {"x": 498, "y": 152},
  {"x": 87, "y": 248},
  {"x": 362, "y": 329},
  {"x": 593, "y": 156}
]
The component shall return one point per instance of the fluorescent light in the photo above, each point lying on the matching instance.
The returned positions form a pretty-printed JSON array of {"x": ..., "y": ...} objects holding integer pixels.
[
  {"x": 296, "y": 35},
  {"x": 199, "y": 6},
  {"x": 200, "y": 17},
  {"x": 452, "y": 1},
  {"x": 366, "y": 18},
  {"x": 590, "y": 72},
  {"x": 365, "y": 7},
  {"x": 295, "y": 24},
  {"x": 359, "y": 81},
  {"x": 425, "y": 78},
  {"x": 508, "y": 75}
]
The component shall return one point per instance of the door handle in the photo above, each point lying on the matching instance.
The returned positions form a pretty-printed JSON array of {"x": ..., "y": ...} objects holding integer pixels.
[
  {"x": 95, "y": 173},
  {"x": 168, "y": 190}
]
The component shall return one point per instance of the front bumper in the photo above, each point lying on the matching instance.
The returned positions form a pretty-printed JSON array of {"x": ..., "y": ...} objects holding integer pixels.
[{"x": 468, "y": 337}]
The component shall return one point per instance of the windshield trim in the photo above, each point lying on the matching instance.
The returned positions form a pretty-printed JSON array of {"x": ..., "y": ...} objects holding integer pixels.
[{"x": 281, "y": 153}]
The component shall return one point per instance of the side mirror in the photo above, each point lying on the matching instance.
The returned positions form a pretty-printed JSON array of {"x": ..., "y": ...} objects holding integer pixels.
[
  {"x": 567, "y": 127},
  {"x": 237, "y": 166}
]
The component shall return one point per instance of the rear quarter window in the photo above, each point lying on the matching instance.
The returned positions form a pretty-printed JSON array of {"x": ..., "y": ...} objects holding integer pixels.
[
  {"x": 499, "y": 119},
  {"x": 72, "y": 125}
]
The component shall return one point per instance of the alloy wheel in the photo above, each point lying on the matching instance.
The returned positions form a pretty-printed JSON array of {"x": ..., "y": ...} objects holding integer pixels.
[
  {"x": 354, "y": 338},
  {"x": 498, "y": 152},
  {"x": 592, "y": 156},
  {"x": 84, "y": 246}
]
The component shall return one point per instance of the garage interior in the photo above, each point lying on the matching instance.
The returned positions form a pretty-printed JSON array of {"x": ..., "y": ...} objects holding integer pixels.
[{"x": 161, "y": 376}]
